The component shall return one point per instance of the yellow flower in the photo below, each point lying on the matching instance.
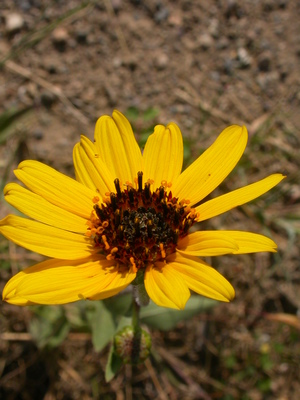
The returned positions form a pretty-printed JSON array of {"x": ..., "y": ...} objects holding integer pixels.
[{"x": 128, "y": 211}]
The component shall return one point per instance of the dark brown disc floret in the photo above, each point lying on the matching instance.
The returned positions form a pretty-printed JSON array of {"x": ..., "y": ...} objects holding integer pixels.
[{"x": 138, "y": 226}]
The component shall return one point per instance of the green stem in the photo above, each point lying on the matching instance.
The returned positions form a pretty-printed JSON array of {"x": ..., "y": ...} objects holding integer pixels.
[
  {"x": 137, "y": 333},
  {"x": 135, "y": 315}
]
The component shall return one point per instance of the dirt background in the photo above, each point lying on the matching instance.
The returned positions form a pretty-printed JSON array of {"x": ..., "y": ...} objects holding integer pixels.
[{"x": 204, "y": 65}]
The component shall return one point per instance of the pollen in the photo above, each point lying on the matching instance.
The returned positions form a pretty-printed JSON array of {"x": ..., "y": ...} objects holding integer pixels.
[{"x": 137, "y": 225}]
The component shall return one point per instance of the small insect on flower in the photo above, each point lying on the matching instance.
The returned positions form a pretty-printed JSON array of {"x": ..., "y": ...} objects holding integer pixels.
[{"x": 128, "y": 212}]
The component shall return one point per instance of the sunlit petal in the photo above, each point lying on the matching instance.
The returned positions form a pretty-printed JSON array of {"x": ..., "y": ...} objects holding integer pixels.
[
  {"x": 237, "y": 197},
  {"x": 38, "y": 208},
  {"x": 45, "y": 239},
  {"x": 163, "y": 154},
  {"x": 57, "y": 188},
  {"x": 200, "y": 277},
  {"x": 91, "y": 169},
  {"x": 207, "y": 243},
  {"x": 212, "y": 167},
  {"x": 250, "y": 242},
  {"x": 117, "y": 147},
  {"x": 165, "y": 287},
  {"x": 59, "y": 282},
  {"x": 123, "y": 277}
]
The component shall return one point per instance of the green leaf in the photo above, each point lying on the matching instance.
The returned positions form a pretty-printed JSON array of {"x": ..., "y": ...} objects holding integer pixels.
[
  {"x": 77, "y": 316},
  {"x": 119, "y": 305},
  {"x": 50, "y": 327},
  {"x": 132, "y": 113},
  {"x": 102, "y": 325},
  {"x": 113, "y": 366},
  {"x": 123, "y": 321},
  {"x": 150, "y": 114},
  {"x": 166, "y": 318}
]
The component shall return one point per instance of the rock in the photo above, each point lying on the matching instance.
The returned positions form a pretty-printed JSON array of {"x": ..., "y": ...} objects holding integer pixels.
[
  {"x": 244, "y": 58},
  {"x": 214, "y": 28},
  {"x": 161, "y": 61},
  {"x": 13, "y": 23},
  {"x": 205, "y": 41},
  {"x": 284, "y": 71},
  {"x": 228, "y": 66},
  {"x": 215, "y": 76},
  {"x": 52, "y": 66},
  {"x": 60, "y": 38},
  {"x": 270, "y": 5},
  {"x": 282, "y": 4},
  {"x": 38, "y": 134},
  {"x": 175, "y": 19},
  {"x": 268, "y": 80},
  {"x": 81, "y": 36},
  {"x": 131, "y": 62},
  {"x": 116, "y": 5},
  {"x": 264, "y": 61},
  {"x": 111, "y": 95},
  {"x": 117, "y": 62},
  {"x": 26, "y": 5},
  {"x": 161, "y": 15},
  {"x": 47, "y": 99},
  {"x": 233, "y": 9},
  {"x": 223, "y": 43}
]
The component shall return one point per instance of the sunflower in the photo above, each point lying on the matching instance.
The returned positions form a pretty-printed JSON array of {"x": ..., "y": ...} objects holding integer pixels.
[{"x": 128, "y": 212}]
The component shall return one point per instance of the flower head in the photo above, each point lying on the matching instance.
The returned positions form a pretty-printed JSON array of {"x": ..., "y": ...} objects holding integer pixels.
[{"x": 128, "y": 212}]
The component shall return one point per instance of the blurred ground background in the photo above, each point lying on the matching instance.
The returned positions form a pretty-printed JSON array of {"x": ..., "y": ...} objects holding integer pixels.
[{"x": 204, "y": 65}]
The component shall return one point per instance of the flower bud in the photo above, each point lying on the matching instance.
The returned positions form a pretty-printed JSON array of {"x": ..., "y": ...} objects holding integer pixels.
[{"x": 132, "y": 346}]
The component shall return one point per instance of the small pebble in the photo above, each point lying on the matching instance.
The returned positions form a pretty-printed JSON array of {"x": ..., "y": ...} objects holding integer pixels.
[
  {"x": 13, "y": 23},
  {"x": 47, "y": 99},
  {"x": 264, "y": 61},
  {"x": 161, "y": 15},
  {"x": 38, "y": 134},
  {"x": 161, "y": 61},
  {"x": 244, "y": 58},
  {"x": 214, "y": 28},
  {"x": 205, "y": 41},
  {"x": 81, "y": 36},
  {"x": 60, "y": 38}
]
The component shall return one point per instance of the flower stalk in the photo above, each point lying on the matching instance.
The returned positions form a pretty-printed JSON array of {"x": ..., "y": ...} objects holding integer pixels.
[{"x": 137, "y": 333}]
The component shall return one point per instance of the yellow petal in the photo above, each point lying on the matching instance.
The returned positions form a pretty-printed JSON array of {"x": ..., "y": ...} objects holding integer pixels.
[
  {"x": 201, "y": 278},
  {"x": 212, "y": 167},
  {"x": 57, "y": 188},
  {"x": 82, "y": 168},
  {"x": 45, "y": 239},
  {"x": 163, "y": 154},
  {"x": 9, "y": 290},
  {"x": 38, "y": 208},
  {"x": 237, "y": 197},
  {"x": 250, "y": 242},
  {"x": 60, "y": 282},
  {"x": 117, "y": 147},
  {"x": 166, "y": 287},
  {"x": 90, "y": 169},
  {"x": 207, "y": 243},
  {"x": 122, "y": 279}
]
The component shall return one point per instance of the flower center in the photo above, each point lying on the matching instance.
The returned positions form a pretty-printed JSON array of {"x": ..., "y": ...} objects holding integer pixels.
[{"x": 138, "y": 226}]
